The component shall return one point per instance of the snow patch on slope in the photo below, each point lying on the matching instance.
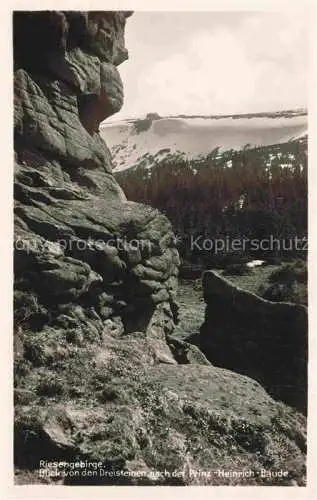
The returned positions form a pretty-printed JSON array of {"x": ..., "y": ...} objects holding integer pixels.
[{"x": 197, "y": 136}]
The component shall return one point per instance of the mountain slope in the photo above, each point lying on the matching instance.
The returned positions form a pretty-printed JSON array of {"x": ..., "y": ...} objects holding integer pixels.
[{"x": 192, "y": 136}]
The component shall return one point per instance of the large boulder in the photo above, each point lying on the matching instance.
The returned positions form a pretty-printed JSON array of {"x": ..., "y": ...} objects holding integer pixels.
[
  {"x": 265, "y": 340},
  {"x": 99, "y": 377},
  {"x": 148, "y": 420}
]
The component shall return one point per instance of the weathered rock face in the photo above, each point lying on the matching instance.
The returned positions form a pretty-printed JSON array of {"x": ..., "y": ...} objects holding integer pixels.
[
  {"x": 98, "y": 375},
  {"x": 78, "y": 237},
  {"x": 264, "y": 340}
]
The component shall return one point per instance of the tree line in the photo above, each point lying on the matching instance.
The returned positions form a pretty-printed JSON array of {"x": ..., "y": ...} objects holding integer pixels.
[{"x": 253, "y": 193}]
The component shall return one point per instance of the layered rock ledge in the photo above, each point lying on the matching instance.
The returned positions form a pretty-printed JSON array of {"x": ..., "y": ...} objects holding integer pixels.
[
  {"x": 98, "y": 373},
  {"x": 265, "y": 340}
]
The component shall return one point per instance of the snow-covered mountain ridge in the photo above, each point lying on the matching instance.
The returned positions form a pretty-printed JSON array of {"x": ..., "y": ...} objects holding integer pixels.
[{"x": 152, "y": 138}]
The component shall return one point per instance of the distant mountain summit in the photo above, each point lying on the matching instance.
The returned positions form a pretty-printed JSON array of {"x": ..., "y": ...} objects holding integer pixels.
[{"x": 152, "y": 138}]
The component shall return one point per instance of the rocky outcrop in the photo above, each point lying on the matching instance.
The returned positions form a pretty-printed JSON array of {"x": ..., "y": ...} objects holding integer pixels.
[
  {"x": 77, "y": 237},
  {"x": 264, "y": 340},
  {"x": 98, "y": 375},
  {"x": 148, "y": 420}
]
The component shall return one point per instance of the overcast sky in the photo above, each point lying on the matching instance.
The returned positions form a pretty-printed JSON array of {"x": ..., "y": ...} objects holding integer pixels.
[{"x": 214, "y": 62}]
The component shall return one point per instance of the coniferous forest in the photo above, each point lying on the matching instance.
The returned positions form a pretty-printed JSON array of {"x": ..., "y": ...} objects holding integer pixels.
[{"x": 251, "y": 194}]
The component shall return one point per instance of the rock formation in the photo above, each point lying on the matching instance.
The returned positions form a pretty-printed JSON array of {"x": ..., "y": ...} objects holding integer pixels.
[
  {"x": 265, "y": 340},
  {"x": 73, "y": 224},
  {"x": 98, "y": 375}
]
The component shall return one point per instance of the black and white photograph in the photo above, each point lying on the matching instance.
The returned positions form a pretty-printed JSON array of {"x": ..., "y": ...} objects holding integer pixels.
[{"x": 160, "y": 291}]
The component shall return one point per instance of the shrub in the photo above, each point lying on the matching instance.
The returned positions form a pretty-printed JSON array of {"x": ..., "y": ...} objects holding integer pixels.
[
  {"x": 51, "y": 385},
  {"x": 28, "y": 312},
  {"x": 287, "y": 284},
  {"x": 278, "y": 292},
  {"x": 237, "y": 270}
]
